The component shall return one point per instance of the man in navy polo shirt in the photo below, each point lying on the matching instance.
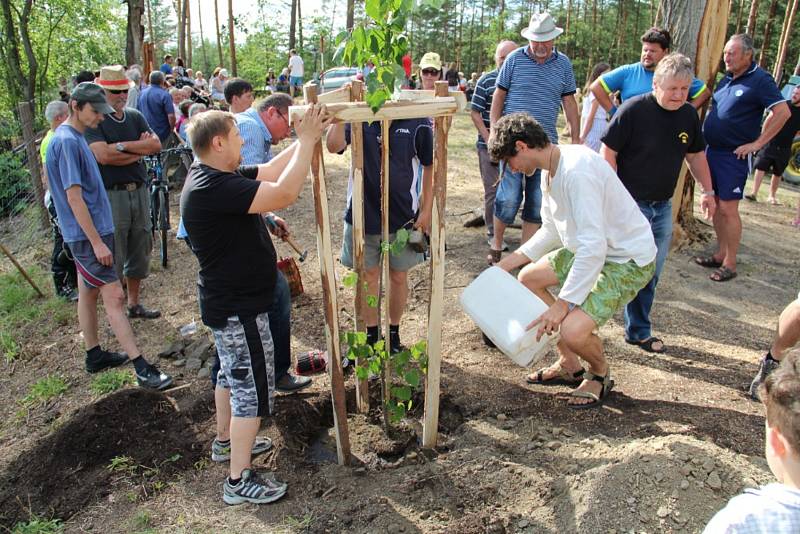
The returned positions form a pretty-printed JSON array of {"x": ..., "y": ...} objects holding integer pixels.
[
  {"x": 157, "y": 107},
  {"x": 733, "y": 132},
  {"x": 537, "y": 80},
  {"x": 637, "y": 78},
  {"x": 411, "y": 142}
]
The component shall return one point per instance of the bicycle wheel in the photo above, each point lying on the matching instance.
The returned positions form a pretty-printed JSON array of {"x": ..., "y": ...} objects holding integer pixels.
[{"x": 163, "y": 224}]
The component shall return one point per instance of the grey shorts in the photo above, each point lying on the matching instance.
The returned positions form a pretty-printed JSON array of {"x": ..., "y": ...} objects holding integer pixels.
[
  {"x": 133, "y": 232},
  {"x": 247, "y": 364},
  {"x": 372, "y": 252},
  {"x": 93, "y": 273}
]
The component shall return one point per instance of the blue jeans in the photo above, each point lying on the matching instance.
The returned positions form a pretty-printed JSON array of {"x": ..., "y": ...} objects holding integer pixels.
[
  {"x": 637, "y": 312},
  {"x": 280, "y": 323},
  {"x": 509, "y": 196}
]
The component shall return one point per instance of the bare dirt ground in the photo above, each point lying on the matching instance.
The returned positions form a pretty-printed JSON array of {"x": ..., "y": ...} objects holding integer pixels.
[{"x": 676, "y": 439}]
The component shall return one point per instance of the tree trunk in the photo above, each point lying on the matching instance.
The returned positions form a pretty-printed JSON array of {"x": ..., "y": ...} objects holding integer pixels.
[
  {"x": 202, "y": 37},
  {"x": 566, "y": 28},
  {"x": 783, "y": 48},
  {"x": 293, "y": 25},
  {"x": 751, "y": 20},
  {"x": 188, "y": 12},
  {"x": 501, "y": 15},
  {"x": 299, "y": 24},
  {"x": 16, "y": 78},
  {"x": 739, "y": 17},
  {"x": 135, "y": 32},
  {"x": 351, "y": 7},
  {"x": 181, "y": 28},
  {"x": 762, "y": 58},
  {"x": 219, "y": 38},
  {"x": 231, "y": 40},
  {"x": 150, "y": 25},
  {"x": 698, "y": 30}
]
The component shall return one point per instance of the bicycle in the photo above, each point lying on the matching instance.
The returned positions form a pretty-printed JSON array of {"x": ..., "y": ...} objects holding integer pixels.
[{"x": 158, "y": 186}]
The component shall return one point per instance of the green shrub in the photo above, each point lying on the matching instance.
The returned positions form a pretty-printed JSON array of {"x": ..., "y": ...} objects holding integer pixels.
[{"x": 37, "y": 525}]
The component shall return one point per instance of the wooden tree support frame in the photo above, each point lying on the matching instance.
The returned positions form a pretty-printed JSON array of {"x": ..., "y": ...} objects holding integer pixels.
[
  {"x": 346, "y": 106},
  {"x": 21, "y": 270},
  {"x": 328, "y": 273}
]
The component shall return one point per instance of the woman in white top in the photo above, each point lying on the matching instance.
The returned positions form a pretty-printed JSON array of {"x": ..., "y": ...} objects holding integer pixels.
[
  {"x": 200, "y": 83},
  {"x": 218, "y": 84},
  {"x": 593, "y": 117}
]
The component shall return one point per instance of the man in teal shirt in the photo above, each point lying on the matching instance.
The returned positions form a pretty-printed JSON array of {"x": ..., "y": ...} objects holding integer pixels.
[{"x": 637, "y": 78}]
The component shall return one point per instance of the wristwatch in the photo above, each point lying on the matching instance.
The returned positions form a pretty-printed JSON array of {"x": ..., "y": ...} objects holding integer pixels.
[
  {"x": 707, "y": 193},
  {"x": 120, "y": 147}
]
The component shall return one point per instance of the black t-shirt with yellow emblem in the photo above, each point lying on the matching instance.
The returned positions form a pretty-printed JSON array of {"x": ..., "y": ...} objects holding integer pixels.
[{"x": 651, "y": 143}]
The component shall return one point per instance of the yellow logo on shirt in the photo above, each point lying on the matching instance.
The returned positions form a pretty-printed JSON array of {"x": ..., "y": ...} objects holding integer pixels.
[{"x": 684, "y": 137}]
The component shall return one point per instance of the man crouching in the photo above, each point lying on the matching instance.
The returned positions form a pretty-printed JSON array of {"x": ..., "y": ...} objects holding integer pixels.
[
  {"x": 594, "y": 242},
  {"x": 221, "y": 205}
]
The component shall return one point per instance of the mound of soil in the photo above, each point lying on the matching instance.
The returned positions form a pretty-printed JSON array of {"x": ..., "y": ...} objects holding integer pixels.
[{"x": 69, "y": 469}]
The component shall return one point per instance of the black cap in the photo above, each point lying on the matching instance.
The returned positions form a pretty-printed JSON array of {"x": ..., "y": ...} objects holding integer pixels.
[{"x": 94, "y": 95}]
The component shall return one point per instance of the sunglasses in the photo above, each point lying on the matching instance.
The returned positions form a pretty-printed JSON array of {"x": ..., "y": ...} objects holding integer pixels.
[
  {"x": 117, "y": 91},
  {"x": 430, "y": 72}
]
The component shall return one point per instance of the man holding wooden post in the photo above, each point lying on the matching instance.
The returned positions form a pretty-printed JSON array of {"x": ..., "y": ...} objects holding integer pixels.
[
  {"x": 411, "y": 142},
  {"x": 222, "y": 206}
]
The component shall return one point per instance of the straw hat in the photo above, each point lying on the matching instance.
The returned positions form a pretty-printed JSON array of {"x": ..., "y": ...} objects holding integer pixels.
[
  {"x": 541, "y": 28},
  {"x": 113, "y": 77}
]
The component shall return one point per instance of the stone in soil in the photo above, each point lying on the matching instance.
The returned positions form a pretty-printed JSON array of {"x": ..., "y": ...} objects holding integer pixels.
[
  {"x": 714, "y": 481},
  {"x": 194, "y": 364},
  {"x": 201, "y": 349},
  {"x": 172, "y": 351}
]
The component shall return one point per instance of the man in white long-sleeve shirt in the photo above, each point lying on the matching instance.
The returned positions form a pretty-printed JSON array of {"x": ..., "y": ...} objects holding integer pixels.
[{"x": 594, "y": 242}]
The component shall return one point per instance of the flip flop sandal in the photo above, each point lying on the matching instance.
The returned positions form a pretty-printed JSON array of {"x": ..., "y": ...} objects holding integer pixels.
[
  {"x": 647, "y": 345},
  {"x": 564, "y": 378},
  {"x": 723, "y": 274},
  {"x": 707, "y": 261},
  {"x": 494, "y": 256},
  {"x": 597, "y": 400}
]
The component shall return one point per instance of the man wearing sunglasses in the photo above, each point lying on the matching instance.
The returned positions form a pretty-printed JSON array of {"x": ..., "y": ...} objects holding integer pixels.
[{"x": 118, "y": 144}]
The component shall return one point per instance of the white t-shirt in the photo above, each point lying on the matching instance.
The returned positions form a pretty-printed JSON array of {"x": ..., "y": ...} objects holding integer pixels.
[
  {"x": 588, "y": 211},
  {"x": 295, "y": 66}
]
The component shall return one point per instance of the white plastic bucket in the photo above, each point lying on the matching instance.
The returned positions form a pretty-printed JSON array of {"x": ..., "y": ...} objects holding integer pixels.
[{"x": 502, "y": 307}]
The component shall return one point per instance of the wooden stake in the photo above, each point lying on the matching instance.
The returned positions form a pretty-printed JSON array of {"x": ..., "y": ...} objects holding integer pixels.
[
  {"x": 406, "y": 109},
  {"x": 357, "y": 171},
  {"x": 415, "y": 95},
  {"x": 21, "y": 270},
  {"x": 385, "y": 191},
  {"x": 436, "y": 305},
  {"x": 326, "y": 266}
]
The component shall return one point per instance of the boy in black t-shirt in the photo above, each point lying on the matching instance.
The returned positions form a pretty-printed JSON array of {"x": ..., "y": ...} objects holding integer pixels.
[
  {"x": 221, "y": 206},
  {"x": 646, "y": 143}
]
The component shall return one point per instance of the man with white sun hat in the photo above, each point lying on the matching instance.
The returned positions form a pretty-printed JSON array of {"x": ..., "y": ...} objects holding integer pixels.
[{"x": 537, "y": 69}]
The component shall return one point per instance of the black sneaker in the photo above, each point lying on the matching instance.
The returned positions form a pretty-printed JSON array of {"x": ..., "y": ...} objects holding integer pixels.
[
  {"x": 764, "y": 369},
  {"x": 105, "y": 360},
  {"x": 140, "y": 312},
  {"x": 289, "y": 383},
  {"x": 253, "y": 488},
  {"x": 153, "y": 378}
]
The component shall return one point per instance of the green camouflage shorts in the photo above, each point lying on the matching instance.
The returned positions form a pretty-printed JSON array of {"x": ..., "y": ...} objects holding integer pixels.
[{"x": 616, "y": 286}]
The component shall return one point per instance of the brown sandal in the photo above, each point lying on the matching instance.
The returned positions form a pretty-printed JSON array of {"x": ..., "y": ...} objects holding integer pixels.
[
  {"x": 494, "y": 256},
  {"x": 563, "y": 378}
]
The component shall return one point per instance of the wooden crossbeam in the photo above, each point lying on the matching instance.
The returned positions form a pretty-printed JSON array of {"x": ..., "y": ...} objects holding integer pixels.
[
  {"x": 327, "y": 269},
  {"x": 360, "y": 111},
  {"x": 436, "y": 306},
  {"x": 422, "y": 94},
  {"x": 337, "y": 96}
]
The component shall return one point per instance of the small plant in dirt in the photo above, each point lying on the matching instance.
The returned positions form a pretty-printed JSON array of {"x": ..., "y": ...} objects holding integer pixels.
[
  {"x": 9, "y": 347},
  {"x": 37, "y": 525},
  {"x": 45, "y": 389},
  {"x": 407, "y": 367},
  {"x": 111, "y": 381},
  {"x": 142, "y": 520}
]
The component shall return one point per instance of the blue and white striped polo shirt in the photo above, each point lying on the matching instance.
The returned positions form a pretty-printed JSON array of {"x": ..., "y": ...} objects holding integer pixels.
[
  {"x": 482, "y": 100},
  {"x": 535, "y": 88}
]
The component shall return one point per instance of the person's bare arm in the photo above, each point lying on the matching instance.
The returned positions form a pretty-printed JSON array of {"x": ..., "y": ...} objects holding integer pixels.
[
  {"x": 573, "y": 118},
  {"x": 777, "y": 117},
  {"x": 271, "y": 170},
  {"x": 609, "y": 155},
  {"x": 498, "y": 103},
  {"x": 601, "y": 95},
  {"x": 587, "y": 126},
  {"x": 283, "y": 192},
  {"x": 701, "y": 99},
  {"x": 107, "y": 154},
  {"x": 84, "y": 219},
  {"x": 477, "y": 120},
  {"x": 698, "y": 165},
  {"x": 147, "y": 144},
  {"x": 335, "y": 141},
  {"x": 171, "y": 119},
  {"x": 513, "y": 260}
]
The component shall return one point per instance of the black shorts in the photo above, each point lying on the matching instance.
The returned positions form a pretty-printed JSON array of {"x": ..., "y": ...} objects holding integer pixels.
[{"x": 772, "y": 162}]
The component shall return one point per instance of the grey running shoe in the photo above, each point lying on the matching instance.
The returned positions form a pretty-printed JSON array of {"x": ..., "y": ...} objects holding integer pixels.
[
  {"x": 153, "y": 378},
  {"x": 253, "y": 488},
  {"x": 105, "y": 360},
  {"x": 764, "y": 370},
  {"x": 289, "y": 383},
  {"x": 222, "y": 453}
]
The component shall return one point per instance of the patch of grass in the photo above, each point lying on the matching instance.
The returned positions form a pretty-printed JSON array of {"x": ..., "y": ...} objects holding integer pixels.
[
  {"x": 295, "y": 524},
  {"x": 45, "y": 389},
  {"x": 122, "y": 464},
  {"x": 111, "y": 381},
  {"x": 142, "y": 520},
  {"x": 37, "y": 525},
  {"x": 9, "y": 347}
]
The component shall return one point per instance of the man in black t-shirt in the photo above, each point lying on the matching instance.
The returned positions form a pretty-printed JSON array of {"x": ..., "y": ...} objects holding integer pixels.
[
  {"x": 775, "y": 156},
  {"x": 221, "y": 206},
  {"x": 118, "y": 144},
  {"x": 646, "y": 143}
]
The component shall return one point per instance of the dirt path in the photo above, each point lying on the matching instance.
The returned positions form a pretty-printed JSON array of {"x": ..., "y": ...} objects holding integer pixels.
[{"x": 676, "y": 439}]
